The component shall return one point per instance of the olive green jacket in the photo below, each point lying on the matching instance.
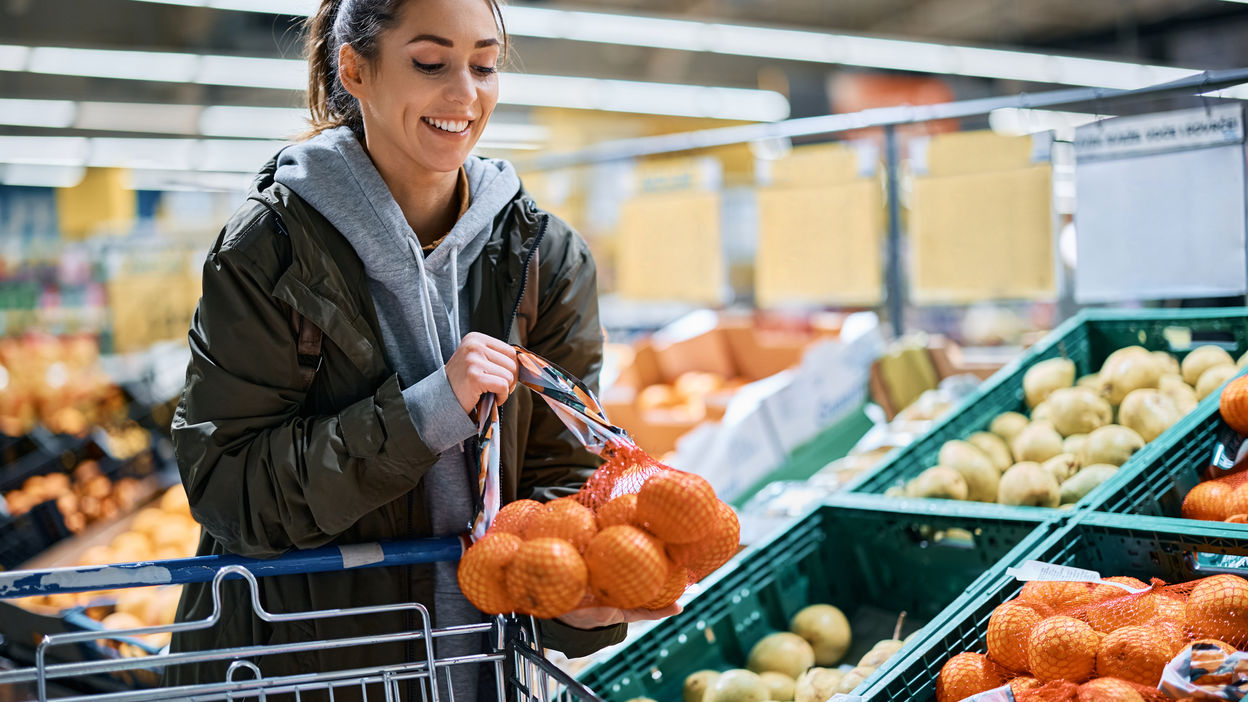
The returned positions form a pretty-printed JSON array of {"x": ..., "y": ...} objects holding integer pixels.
[{"x": 269, "y": 467}]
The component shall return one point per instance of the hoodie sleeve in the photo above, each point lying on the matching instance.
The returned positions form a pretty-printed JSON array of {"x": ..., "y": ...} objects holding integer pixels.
[{"x": 260, "y": 477}]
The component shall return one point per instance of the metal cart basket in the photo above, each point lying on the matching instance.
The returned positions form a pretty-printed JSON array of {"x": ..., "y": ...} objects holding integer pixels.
[{"x": 514, "y": 650}]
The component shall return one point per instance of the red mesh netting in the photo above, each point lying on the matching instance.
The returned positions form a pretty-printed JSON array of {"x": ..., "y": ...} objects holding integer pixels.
[
  {"x": 635, "y": 536},
  {"x": 1077, "y": 641},
  {"x": 1221, "y": 499}
]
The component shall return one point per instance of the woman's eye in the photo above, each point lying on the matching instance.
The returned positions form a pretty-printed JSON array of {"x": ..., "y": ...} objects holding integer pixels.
[
  {"x": 427, "y": 67},
  {"x": 486, "y": 70}
]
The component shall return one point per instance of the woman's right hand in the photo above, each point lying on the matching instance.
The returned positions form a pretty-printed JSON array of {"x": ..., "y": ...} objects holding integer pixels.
[{"x": 482, "y": 364}]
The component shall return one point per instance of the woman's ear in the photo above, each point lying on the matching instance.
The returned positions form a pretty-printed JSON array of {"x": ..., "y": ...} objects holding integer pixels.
[{"x": 351, "y": 70}]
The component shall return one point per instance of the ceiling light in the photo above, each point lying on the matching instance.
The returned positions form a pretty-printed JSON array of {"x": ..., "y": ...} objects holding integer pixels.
[
  {"x": 516, "y": 88},
  {"x": 14, "y": 58},
  {"x": 275, "y": 7},
  {"x": 647, "y": 98},
  {"x": 37, "y": 176},
  {"x": 154, "y": 118},
  {"x": 111, "y": 63},
  {"x": 44, "y": 151},
  {"x": 255, "y": 122},
  {"x": 54, "y": 114},
  {"x": 248, "y": 72},
  {"x": 220, "y": 155}
]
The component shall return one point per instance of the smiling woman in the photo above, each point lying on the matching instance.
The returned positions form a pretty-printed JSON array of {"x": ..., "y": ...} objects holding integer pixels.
[{"x": 416, "y": 266}]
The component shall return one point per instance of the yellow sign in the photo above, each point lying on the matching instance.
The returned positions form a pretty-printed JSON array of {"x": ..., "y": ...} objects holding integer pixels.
[
  {"x": 820, "y": 245},
  {"x": 983, "y": 236},
  {"x": 102, "y": 201},
  {"x": 819, "y": 164},
  {"x": 669, "y": 248},
  {"x": 975, "y": 152}
]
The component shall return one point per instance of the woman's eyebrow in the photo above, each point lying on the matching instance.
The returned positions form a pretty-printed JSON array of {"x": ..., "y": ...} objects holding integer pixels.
[{"x": 443, "y": 41}]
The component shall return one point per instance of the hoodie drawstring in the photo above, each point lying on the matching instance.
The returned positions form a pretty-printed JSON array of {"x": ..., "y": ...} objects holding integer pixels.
[
  {"x": 455, "y": 296},
  {"x": 426, "y": 305}
]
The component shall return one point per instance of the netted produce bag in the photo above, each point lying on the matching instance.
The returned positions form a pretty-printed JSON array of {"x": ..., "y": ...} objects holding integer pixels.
[
  {"x": 1071, "y": 635},
  {"x": 634, "y": 537}
]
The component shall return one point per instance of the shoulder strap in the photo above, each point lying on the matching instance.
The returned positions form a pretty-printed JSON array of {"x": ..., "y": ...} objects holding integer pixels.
[
  {"x": 308, "y": 347},
  {"x": 308, "y": 335}
]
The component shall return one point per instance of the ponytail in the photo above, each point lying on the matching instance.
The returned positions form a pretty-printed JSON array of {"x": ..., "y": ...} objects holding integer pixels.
[{"x": 322, "y": 52}]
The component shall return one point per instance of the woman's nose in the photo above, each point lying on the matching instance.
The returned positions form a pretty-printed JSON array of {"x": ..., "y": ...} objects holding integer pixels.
[{"x": 459, "y": 87}]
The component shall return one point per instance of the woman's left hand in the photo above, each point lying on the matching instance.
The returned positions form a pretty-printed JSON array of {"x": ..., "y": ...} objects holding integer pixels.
[{"x": 595, "y": 617}]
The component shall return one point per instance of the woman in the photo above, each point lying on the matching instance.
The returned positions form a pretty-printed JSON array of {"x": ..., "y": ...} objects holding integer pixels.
[{"x": 329, "y": 393}]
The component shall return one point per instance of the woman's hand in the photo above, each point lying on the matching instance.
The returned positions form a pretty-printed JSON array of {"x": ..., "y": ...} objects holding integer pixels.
[
  {"x": 595, "y": 617},
  {"x": 481, "y": 364}
]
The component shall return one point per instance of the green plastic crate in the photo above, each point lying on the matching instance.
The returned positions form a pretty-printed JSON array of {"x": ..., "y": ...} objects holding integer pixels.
[
  {"x": 1167, "y": 473},
  {"x": 863, "y": 554},
  {"x": 1087, "y": 339},
  {"x": 1111, "y": 544}
]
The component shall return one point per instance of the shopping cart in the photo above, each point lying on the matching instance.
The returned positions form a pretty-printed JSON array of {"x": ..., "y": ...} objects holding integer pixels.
[{"x": 521, "y": 671}]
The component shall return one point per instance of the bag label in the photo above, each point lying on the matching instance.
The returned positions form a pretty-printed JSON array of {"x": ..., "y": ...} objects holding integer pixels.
[{"x": 1039, "y": 570}]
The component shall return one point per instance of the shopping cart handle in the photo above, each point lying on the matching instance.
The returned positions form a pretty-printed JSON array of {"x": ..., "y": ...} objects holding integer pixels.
[{"x": 201, "y": 569}]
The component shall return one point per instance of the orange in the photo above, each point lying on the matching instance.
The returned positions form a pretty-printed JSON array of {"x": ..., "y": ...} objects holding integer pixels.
[
  {"x": 619, "y": 511},
  {"x": 702, "y": 557},
  {"x": 547, "y": 578},
  {"x": 1022, "y": 684},
  {"x": 1233, "y": 404},
  {"x": 968, "y": 674},
  {"x": 1207, "y": 501},
  {"x": 677, "y": 507},
  {"x": 1220, "y": 645},
  {"x": 1108, "y": 690},
  {"x": 482, "y": 572},
  {"x": 1062, "y": 648},
  {"x": 1113, "y": 608},
  {"x": 1058, "y": 595},
  {"x": 1236, "y": 501},
  {"x": 513, "y": 516},
  {"x": 677, "y": 581},
  {"x": 1217, "y": 608},
  {"x": 1135, "y": 653},
  {"x": 564, "y": 518},
  {"x": 1008, "y": 628},
  {"x": 627, "y": 567}
]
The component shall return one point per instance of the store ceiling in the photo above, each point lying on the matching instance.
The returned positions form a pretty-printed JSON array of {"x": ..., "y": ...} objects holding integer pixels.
[{"x": 1190, "y": 33}]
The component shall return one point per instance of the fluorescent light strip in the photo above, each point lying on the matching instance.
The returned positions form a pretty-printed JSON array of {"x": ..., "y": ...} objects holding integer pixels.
[
  {"x": 211, "y": 121},
  {"x": 516, "y": 88},
  {"x": 224, "y": 155},
  {"x": 54, "y": 114},
  {"x": 792, "y": 44}
]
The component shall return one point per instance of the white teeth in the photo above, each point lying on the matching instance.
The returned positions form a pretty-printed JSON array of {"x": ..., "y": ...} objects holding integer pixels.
[{"x": 448, "y": 126}]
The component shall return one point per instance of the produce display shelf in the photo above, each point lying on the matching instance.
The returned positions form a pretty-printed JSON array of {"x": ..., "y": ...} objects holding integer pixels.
[
  {"x": 1111, "y": 544},
  {"x": 1086, "y": 339},
  {"x": 832, "y": 443},
  {"x": 863, "y": 554}
]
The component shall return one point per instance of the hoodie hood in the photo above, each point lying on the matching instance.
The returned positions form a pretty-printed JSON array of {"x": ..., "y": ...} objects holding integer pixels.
[{"x": 417, "y": 298}]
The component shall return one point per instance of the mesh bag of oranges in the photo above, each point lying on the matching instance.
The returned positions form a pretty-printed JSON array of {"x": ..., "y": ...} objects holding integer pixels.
[
  {"x": 634, "y": 537},
  {"x": 1087, "y": 638}
]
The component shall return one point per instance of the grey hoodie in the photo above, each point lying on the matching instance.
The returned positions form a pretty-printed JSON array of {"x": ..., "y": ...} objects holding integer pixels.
[{"x": 421, "y": 308}]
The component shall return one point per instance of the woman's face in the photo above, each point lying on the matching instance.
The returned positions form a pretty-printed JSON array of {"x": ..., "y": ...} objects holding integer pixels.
[{"x": 433, "y": 85}]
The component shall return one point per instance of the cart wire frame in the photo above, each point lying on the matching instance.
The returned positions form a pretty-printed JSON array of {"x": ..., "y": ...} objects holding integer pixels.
[{"x": 514, "y": 650}]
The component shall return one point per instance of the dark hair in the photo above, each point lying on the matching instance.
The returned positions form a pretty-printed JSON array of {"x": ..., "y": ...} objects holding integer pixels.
[{"x": 359, "y": 23}]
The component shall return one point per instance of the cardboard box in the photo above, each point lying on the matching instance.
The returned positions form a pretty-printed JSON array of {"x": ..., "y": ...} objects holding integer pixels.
[{"x": 729, "y": 346}]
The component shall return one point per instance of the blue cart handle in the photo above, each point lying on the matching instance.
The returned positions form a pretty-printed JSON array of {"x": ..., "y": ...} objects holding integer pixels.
[{"x": 201, "y": 569}]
